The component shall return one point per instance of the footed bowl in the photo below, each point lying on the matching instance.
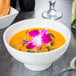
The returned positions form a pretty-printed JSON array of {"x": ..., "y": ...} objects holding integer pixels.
[{"x": 37, "y": 61}]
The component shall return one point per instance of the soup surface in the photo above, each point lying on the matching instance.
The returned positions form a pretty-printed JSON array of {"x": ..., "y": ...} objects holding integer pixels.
[{"x": 37, "y": 40}]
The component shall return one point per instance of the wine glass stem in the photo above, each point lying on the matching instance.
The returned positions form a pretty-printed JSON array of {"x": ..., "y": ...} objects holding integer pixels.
[{"x": 52, "y": 4}]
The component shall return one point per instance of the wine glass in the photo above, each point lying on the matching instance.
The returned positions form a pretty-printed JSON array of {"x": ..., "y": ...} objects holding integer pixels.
[{"x": 52, "y": 13}]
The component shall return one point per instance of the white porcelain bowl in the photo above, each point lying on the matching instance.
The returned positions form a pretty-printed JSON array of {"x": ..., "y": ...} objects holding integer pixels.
[
  {"x": 37, "y": 61},
  {"x": 8, "y": 19}
]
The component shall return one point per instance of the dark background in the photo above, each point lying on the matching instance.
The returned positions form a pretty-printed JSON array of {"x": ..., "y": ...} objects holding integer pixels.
[{"x": 23, "y": 5}]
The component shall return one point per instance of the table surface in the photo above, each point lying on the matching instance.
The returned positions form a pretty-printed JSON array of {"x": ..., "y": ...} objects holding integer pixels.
[{"x": 10, "y": 67}]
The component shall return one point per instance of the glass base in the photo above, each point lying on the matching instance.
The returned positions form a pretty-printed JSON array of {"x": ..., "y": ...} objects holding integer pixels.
[{"x": 52, "y": 15}]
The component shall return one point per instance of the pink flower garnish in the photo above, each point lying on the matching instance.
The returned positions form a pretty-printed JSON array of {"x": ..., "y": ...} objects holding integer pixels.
[
  {"x": 36, "y": 48},
  {"x": 30, "y": 46},
  {"x": 43, "y": 31},
  {"x": 34, "y": 33},
  {"x": 46, "y": 38},
  {"x": 38, "y": 39}
]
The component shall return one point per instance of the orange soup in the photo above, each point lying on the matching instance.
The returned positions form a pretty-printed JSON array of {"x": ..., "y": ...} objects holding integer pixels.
[{"x": 36, "y": 40}]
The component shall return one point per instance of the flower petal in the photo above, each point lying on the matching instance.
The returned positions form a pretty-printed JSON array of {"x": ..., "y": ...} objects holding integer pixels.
[
  {"x": 30, "y": 46},
  {"x": 36, "y": 48},
  {"x": 43, "y": 31},
  {"x": 24, "y": 41},
  {"x": 46, "y": 38},
  {"x": 34, "y": 33},
  {"x": 29, "y": 41}
]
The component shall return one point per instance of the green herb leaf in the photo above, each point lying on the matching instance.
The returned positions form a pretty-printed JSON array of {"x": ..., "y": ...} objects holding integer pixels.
[
  {"x": 15, "y": 46},
  {"x": 24, "y": 38},
  {"x": 51, "y": 34},
  {"x": 46, "y": 50},
  {"x": 28, "y": 50},
  {"x": 33, "y": 51},
  {"x": 52, "y": 48},
  {"x": 52, "y": 43},
  {"x": 49, "y": 44},
  {"x": 42, "y": 47}
]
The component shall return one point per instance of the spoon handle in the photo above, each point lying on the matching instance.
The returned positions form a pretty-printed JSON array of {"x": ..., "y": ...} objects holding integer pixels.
[
  {"x": 73, "y": 63},
  {"x": 71, "y": 68},
  {"x": 64, "y": 70}
]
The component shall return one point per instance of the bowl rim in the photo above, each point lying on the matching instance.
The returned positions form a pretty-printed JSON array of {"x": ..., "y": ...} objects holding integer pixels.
[
  {"x": 40, "y": 52},
  {"x": 12, "y": 9}
]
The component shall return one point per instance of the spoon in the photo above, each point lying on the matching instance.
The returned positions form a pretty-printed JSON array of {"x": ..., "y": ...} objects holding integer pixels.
[{"x": 72, "y": 67}]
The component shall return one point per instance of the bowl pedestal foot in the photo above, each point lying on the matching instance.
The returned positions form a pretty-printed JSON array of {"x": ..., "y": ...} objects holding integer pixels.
[{"x": 37, "y": 67}]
